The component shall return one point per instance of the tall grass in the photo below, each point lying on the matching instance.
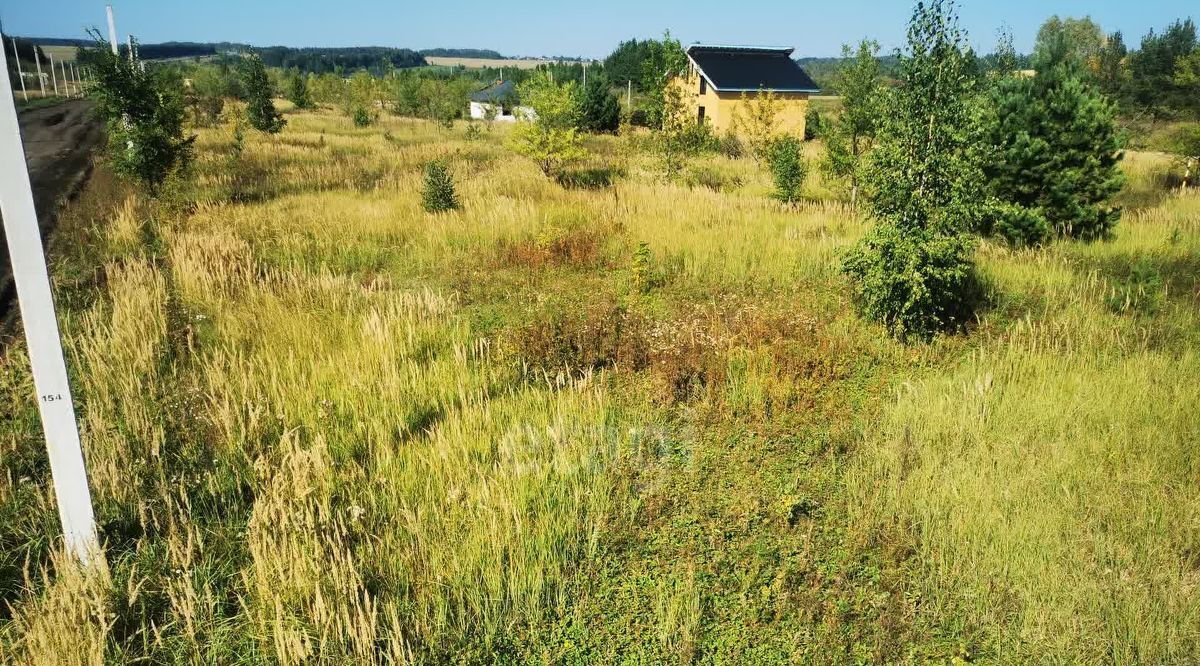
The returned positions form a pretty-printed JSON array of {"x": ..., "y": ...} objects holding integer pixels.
[{"x": 323, "y": 426}]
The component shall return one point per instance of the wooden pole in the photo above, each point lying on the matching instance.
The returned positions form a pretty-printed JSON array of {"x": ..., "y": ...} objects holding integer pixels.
[{"x": 42, "y": 337}]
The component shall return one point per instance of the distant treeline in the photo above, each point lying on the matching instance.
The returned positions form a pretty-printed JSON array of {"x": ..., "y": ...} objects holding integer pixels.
[
  {"x": 462, "y": 53},
  {"x": 374, "y": 59}
]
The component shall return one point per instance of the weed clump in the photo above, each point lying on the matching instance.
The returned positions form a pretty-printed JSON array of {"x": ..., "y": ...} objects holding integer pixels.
[{"x": 439, "y": 195}]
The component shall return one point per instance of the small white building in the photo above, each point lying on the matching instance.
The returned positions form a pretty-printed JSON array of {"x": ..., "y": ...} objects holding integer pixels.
[{"x": 500, "y": 98}]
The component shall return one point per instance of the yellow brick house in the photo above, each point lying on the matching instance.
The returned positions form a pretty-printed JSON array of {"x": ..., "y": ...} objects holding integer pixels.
[{"x": 718, "y": 76}]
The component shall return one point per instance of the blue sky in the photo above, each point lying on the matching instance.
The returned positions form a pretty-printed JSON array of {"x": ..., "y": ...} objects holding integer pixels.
[{"x": 554, "y": 27}]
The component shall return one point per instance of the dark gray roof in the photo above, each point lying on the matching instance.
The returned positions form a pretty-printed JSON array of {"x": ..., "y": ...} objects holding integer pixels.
[
  {"x": 748, "y": 68},
  {"x": 495, "y": 93}
]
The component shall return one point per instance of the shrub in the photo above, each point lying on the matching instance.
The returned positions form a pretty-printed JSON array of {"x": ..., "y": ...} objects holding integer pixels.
[
  {"x": 916, "y": 282},
  {"x": 812, "y": 124},
  {"x": 550, "y": 138},
  {"x": 438, "y": 195},
  {"x": 786, "y": 159},
  {"x": 731, "y": 146},
  {"x": 1016, "y": 224},
  {"x": 361, "y": 117},
  {"x": 1140, "y": 292},
  {"x": 712, "y": 177},
  {"x": 590, "y": 178},
  {"x": 473, "y": 132},
  {"x": 143, "y": 112}
]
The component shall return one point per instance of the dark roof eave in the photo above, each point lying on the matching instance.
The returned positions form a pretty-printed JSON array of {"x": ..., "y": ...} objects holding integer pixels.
[{"x": 778, "y": 90}]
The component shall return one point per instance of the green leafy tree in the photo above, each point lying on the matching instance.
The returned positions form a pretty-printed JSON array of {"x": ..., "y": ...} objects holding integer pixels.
[
  {"x": 757, "y": 120},
  {"x": 788, "y": 170},
  {"x": 550, "y": 136},
  {"x": 913, "y": 271},
  {"x": 850, "y": 136},
  {"x": 1054, "y": 149},
  {"x": 260, "y": 107},
  {"x": 438, "y": 194},
  {"x": 599, "y": 110},
  {"x": 1083, "y": 37},
  {"x": 143, "y": 111},
  {"x": 1186, "y": 145},
  {"x": 298, "y": 91},
  {"x": 664, "y": 60}
]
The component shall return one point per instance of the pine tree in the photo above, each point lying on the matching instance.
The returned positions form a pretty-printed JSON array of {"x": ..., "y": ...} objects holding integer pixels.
[
  {"x": 914, "y": 271},
  {"x": 298, "y": 93},
  {"x": 1054, "y": 150},
  {"x": 438, "y": 195},
  {"x": 260, "y": 108},
  {"x": 599, "y": 109}
]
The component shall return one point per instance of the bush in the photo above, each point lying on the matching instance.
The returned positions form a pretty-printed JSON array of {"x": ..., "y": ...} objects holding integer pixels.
[
  {"x": 916, "y": 282},
  {"x": 590, "y": 178},
  {"x": 1016, "y": 224},
  {"x": 786, "y": 159},
  {"x": 362, "y": 117},
  {"x": 712, "y": 177},
  {"x": 143, "y": 112},
  {"x": 812, "y": 124},
  {"x": 731, "y": 146},
  {"x": 438, "y": 195}
]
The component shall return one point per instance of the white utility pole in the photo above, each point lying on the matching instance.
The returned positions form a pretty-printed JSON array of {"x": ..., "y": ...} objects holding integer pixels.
[
  {"x": 585, "y": 74},
  {"x": 629, "y": 96},
  {"x": 62, "y": 65},
  {"x": 37, "y": 60},
  {"x": 20, "y": 75},
  {"x": 54, "y": 80},
  {"x": 112, "y": 29},
  {"x": 41, "y": 337}
]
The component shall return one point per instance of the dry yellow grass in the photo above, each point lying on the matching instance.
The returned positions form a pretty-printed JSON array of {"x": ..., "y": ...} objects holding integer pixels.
[{"x": 319, "y": 430}]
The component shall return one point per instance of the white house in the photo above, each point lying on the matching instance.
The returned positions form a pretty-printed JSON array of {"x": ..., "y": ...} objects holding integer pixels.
[{"x": 499, "y": 97}]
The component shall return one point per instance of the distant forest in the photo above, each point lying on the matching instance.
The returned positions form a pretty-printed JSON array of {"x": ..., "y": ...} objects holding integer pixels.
[
  {"x": 462, "y": 53},
  {"x": 375, "y": 59}
]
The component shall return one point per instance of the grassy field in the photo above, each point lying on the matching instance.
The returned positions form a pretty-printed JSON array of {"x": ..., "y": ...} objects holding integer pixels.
[
  {"x": 480, "y": 63},
  {"x": 61, "y": 53},
  {"x": 637, "y": 425}
]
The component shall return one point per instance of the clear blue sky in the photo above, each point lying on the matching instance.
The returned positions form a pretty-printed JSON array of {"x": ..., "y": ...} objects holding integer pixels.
[{"x": 556, "y": 27}]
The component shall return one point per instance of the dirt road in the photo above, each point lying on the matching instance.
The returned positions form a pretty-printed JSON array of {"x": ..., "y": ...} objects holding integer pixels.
[{"x": 59, "y": 141}]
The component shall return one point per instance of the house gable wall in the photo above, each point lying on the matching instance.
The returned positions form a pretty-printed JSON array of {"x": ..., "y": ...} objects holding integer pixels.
[{"x": 720, "y": 108}]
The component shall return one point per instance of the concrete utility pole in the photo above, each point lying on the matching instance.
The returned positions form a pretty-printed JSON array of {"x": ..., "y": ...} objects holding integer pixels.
[
  {"x": 42, "y": 338},
  {"x": 52, "y": 79},
  {"x": 629, "y": 96},
  {"x": 37, "y": 60},
  {"x": 62, "y": 65},
  {"x": 112, "y": 30},
  {"x": 20, "y": 74}
]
